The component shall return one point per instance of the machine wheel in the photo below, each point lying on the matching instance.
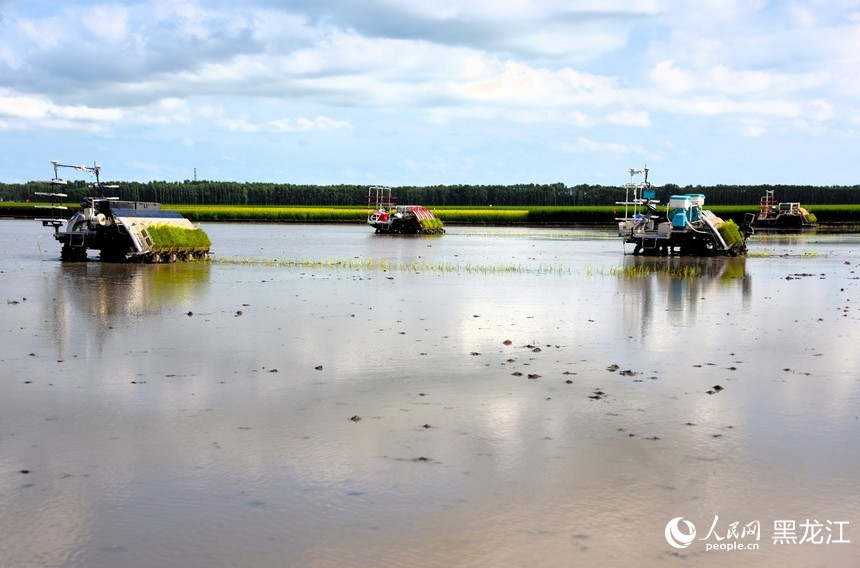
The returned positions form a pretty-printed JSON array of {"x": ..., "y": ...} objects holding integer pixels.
[{"x": 73, "y": 254}]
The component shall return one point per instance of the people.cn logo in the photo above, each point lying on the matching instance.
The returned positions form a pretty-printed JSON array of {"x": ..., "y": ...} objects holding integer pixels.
[{"x": 676, "y": 537}]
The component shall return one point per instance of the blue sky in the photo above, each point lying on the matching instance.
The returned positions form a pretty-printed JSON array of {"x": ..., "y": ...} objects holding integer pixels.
[{"x": 399, "y": 92}]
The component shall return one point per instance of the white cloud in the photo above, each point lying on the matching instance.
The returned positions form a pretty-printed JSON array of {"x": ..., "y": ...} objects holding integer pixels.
[
  {"x": 821, "y": 110},
  {"x": 802, "y": 14},
  {"x": 516, "y": 83},
  {"x": 22, "y": 107},
  {"x": 577, "y": 117},
  {"x": 754, "y": 130},
  {"x": 83, "y": 113},
  {"x": 721, "y": 105},
  {"x": 483, "y": 72},
  {"x": 708, "y": 14},
  {"x": 42, "y": 108},
  {"x": 722, "y": 79},
  {"x": 629, "y": 118},
  {"x": 239, "y": 125},
  {"x": 110, "y": 22},
  {"x": 667, "y": 77},
  {"x": 443, "y": 115},
  {"x": 586, "y": 146},
  {"x": 244, "y": 124},
  {"x": 306, "y": 124},
  {"x": 559, "y": 41}
]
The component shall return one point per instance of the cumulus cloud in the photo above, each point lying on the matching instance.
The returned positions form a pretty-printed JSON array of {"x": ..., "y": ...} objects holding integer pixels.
[
  {"x": 241, "y": 124},
  {"x": 517, "y": 83},
  {"x": 586, "y": 146},
  {"x": 753, "y": 68},
  {"x": 629, "y": 118},
  {"x": 753, "y": 130},
  {"x": 523, "y": 27},
  {"x": 244, "y": 124},
  {"x": 307, "y": 124},
  {"x": 38, "y": 107},
  {"x": 820, "y": 109},
  {"x": 667, "y": 77}
]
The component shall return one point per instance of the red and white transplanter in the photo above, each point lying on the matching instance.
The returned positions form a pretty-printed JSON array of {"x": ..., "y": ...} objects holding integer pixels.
[{"x": 389, "y": 218}]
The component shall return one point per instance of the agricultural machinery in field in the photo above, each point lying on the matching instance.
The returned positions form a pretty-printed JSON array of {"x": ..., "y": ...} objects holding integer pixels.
[
  {"x": 120, "y": 230},
  {"x": 786, "y": 215},
  {"x": 686, "y": 228},
  {"x": 388, "y": 217}
]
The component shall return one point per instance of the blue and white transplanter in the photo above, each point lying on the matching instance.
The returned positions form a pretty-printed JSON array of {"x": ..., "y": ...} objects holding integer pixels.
[{"x": 686, "y": 228}]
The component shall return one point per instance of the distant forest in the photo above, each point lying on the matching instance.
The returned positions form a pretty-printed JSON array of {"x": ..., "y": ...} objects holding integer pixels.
[{"x": 235, "y": 193}]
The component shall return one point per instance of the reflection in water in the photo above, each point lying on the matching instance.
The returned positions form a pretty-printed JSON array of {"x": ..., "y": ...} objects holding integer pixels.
[
  {"x": 657, "y": 304},
  {"x": 726, "y": 268},
  {"x": 158, "y": 439},
  {"x": 98, "y": 296}
]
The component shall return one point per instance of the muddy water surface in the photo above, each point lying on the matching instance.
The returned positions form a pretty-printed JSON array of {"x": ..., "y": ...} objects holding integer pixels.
[{"x": 322, "y": 396}]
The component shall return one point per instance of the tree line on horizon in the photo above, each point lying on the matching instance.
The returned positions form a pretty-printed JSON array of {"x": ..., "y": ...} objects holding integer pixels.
[{"x": 555, "y": 194}]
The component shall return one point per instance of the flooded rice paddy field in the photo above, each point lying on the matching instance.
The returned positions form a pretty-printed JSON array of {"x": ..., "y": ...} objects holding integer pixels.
[{"x": 323, "y": 396}]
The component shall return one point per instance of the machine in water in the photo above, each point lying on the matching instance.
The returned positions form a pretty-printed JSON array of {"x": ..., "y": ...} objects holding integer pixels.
[
  {"x": 685, "y": 229},
  {"x": 122, "y": 231},
  {"x": 774, "y": 215},
  {"x": 388, "y": 217}
]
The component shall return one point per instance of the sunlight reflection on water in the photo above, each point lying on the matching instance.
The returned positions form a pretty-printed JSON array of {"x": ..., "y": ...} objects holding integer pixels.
[{"x": 201, "y": 413}]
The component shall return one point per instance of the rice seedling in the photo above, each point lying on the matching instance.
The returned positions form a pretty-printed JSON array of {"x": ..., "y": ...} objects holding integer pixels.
[
  {"x": 468, "y": 267},
  {"x": 431, "y": 224},
  {"x": 731, "y": 233},
  {"x": 761, "y": 253},
  {"x": 170, "y": 237},
  {"x": 843, "y": 214},
  {"x": 483, "y": 216},
  {"x": 768, "y": 253},
  {"x": 272, "y": 213}
]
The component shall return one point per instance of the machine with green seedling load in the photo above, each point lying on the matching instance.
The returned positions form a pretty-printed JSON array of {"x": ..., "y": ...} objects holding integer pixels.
[
  {"x": 121, "y": 230},
  {"x": 685, "y": 228},
  {"x": 389, "y": 218}
]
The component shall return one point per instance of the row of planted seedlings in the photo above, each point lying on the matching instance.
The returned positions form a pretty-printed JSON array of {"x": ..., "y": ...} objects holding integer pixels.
[{"x": 468, "y": 267}]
